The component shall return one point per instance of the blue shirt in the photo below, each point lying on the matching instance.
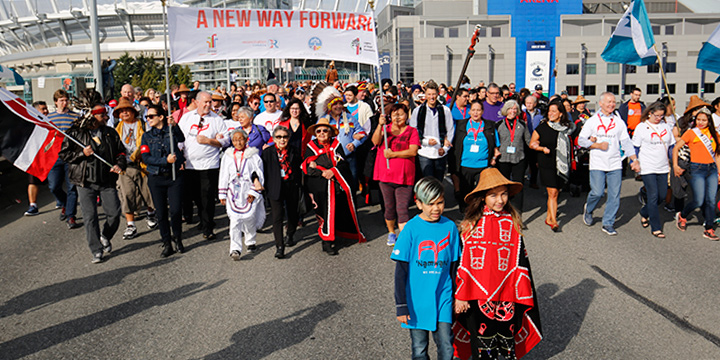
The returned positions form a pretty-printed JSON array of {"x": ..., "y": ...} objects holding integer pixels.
[
  {"x": 63, "y": 121},
  {"x": 475, "y": 136},
  {"x": 460, "y": 114},
  {"x": 347, "y": 138},
  {"x": 429, "y": 248},
  {"x": 533, "y": 121}
]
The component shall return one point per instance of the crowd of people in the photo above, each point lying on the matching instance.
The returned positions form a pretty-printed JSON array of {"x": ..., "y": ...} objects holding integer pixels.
[{"x": 323, "y": 147}]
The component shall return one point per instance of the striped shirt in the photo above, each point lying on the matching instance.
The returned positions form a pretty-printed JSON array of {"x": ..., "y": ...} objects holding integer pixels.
[{"x": 63, "y": 120}]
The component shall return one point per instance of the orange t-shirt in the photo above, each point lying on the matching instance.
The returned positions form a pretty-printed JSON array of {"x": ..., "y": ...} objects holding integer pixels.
[
  {"x": 634, "y": 114},
  {"x": 698, "y": 151}
]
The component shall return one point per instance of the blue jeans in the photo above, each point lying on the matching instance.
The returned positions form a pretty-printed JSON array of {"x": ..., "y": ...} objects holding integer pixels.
[
  {"x": 443, "y": 337},
  {"x": 433, "y": 167},
  {"x": 704, "y": 182},
  {"x": 598, "y": 179},
  {"x": 656, "y": 189},
  {"x": 57, "y": 175}
]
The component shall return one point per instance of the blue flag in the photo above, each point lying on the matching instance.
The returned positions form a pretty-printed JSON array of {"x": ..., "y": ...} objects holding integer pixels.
[
  {"x": 632, "y": 41},
  {"x": 9, "y": 74},
  {"x": 709, "y": 57}
]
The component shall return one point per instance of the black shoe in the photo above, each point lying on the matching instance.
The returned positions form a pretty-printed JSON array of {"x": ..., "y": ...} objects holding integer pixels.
[
  {"x": 179, "y": 245},
  {"x": 332, "y": 250},
  {"x": 251, "y": 249},
  {"x": 289, "y": 240},
  {"x": 325, "y": 245},
  {"x": 209, "y": 236},
  {"x": 72, "y": 224},
  {"x": 167, "y": 250},
  {"x": 63, "y": 217},
  {"x": 280, "y": 253}
]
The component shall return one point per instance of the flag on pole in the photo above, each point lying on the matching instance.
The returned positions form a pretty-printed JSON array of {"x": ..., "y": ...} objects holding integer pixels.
[
  {"x": 632, "y": 41},
  {"x": 709, "y": 57},
  {"x": 8, "y": 74},
  {"x": 26, "y": 138}
]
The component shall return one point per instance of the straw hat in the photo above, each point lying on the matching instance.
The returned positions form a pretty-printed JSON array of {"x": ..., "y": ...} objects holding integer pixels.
[
  {"x": 491, "y": 178},
  {"x": 580, "y": 99},
  {"x": 216, "y": 96},
  {"x": 124, "y": 103},
  {"x": 183, "y": 88},
  {"x": 323, "y": 122},
  {"x": 695, "y": 102}
]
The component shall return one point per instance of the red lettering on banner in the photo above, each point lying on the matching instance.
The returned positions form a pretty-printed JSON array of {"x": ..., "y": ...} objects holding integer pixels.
[
  {"x": 303, "y": 18},
  {"x": 363, "y": 22},
  {"x": 338, "y": 20},
  {"x": 314, "y": 19},
  {"x": 201, "y": 19},
  {"x": 245, "y": 18},
  {"x": 229, "y": 18},
  {"x": 325, "y": 22},
  {"x": 277, "y": 19},
  {"x": 218, "y": 18},
  {"x": 288, "y": 15},
  {"x": 351, "y": 22},
  {"x": 264, "y": 18}
]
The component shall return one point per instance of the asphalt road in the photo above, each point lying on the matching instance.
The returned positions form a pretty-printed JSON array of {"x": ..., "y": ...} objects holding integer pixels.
[{"x": 631, "y": 296}]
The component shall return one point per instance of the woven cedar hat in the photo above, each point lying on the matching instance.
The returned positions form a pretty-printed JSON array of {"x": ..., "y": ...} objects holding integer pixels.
[
  {"x": 491, "y": 178},
  {"x": 580, "y": 99},
  {"x": 183, "y": 88},
  {"x": 124, "y": 103},
  {"x": 323, "y": 122},
  {"x": 695, "y": 102}
]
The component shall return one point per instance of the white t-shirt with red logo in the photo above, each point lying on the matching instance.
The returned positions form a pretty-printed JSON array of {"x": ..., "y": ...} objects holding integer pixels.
[
  {"x": 268, "y": 120},
  {"x": 653, "y": 146},
  {"x": 610, "y": 129},
  {"x": 200, "y": 156}
]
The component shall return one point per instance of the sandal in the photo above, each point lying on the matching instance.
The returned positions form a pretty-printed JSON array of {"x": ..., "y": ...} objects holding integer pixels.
[
  {"x": 644, "y": 222},
  {"x": 658, "y": 234}
]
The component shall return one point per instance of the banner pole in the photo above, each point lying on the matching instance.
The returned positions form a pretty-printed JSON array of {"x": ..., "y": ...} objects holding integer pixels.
[
  {"x": 167, "y": 83},
  {"x": 382, "y": 113},
  {"x": 662, "y": 73}
]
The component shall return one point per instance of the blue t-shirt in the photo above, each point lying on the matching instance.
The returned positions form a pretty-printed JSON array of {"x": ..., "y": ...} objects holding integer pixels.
[
  {"x": 460, "y": 114},
  {"x": 475, "y": 137},
  {"x": 429, "y": 248},
  {"x": 352, "y": 114}
]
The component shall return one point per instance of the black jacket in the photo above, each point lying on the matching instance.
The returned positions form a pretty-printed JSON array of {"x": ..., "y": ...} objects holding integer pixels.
[
  {"x": 110, "y": 148},
  {"x": 271, "y": 165}
]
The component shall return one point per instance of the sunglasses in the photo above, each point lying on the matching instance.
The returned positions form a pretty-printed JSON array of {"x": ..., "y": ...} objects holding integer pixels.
[
  {"x": 322, "y": 130},
  {"x": 152, "y": 116},
  {"x": 255, "y": 103},
  {"x": 281, "y": 137},
  {"x": 269, "y": 101}
]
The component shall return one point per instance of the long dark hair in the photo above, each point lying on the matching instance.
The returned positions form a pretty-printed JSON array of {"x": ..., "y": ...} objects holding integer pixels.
[
  {"x": 653, "y": 108},
  {"x": 710, "y": 125},
  {"x": 304, "y": 116},
  {"x": 160, "y": 111},
  {"x": 474, "y": 212},
  {"x": 564, "y": 118}
]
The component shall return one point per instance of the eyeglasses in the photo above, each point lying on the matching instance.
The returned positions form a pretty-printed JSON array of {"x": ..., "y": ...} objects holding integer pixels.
[
  {"x": 281, "y": 137},
  {"x": 656, "y": 115},
  {"x": 322, "y": 130},
  {"x": 494, "y": 93},
  {"x": 269, "y": 101}
]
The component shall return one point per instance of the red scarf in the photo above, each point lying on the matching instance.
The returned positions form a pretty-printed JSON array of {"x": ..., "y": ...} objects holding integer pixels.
[{"x": 284, "y": 163}]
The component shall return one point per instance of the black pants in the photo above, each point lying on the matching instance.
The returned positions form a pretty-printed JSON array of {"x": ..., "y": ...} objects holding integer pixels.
[
  {"x": 531, "y": 157},
  {"x": 288, "y": 202},
  {"x": 469, "y": 178},
  {"x": 201, "y": 187},
  {"x": 514, "y": 172},
  {"x": 165, "y": 191},
  {"x": 87, "y": 197}
]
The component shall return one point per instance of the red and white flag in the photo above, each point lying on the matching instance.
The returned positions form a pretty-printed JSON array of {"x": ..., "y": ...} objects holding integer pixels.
[{"x": 27, "y": 139}]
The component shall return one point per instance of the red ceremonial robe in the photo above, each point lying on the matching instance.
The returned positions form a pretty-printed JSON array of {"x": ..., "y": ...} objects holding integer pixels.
[{"x": 334, "y": 198}]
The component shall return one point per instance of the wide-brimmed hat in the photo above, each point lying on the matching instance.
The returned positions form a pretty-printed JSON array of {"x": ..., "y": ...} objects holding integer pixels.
[
  {"x": 580, "y": 99},
  {"x": 323, "y": 122},
  {"x": 695, "y": 102},
  {"x": 489, "y": 179},
  {"x": 216, "y": 96},
  {"x": 124, "y": 103},
  {"x": 183, "y": 88}
]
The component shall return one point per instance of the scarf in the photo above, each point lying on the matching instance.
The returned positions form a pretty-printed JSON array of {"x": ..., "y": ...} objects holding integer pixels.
[
  {"x": 284, "y": 163},
  {"x": 562, "y": 150}
]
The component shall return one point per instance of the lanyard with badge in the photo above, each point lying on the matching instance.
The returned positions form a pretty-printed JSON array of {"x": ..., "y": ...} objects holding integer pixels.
[
  {"x": 463, "y": 113},
  {"x": 606, "y": 128},
  {"x": 242, "y": 163},
  {"x": 475, "y": 148},
  {"x": 511, "y": 149}
]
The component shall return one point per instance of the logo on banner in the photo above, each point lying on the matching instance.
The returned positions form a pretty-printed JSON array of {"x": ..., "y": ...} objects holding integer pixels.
[
  {"x": 273, "y": 44},
  {"x": 212, "y": 43},
  {"x": 315, "y": 43},
  {"x": 355, "y": 44},
  {"x": 537, "y": 71}
]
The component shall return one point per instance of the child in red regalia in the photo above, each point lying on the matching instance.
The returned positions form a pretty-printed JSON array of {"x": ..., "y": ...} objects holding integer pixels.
[{"x": 495, "y": 297}]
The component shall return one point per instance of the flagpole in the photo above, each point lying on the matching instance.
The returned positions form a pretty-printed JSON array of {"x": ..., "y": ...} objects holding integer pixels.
[
  {"x": 382, "y": 95},
  {"x": 662, "y": 73},
  {"x": 167, "y": 83}
]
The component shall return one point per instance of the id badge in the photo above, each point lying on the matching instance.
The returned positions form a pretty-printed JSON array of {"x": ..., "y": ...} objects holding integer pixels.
[
  {"x": 510, "y": 149},
  {"x": 474, "y": 148}
]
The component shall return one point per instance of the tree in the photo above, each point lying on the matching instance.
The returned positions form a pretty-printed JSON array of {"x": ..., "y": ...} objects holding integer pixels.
[
  {"x": 145, "y": 72},
  {"x": 123, "y": 72}
]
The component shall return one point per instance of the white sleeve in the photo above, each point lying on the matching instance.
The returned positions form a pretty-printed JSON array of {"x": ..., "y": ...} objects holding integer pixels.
[
  {"x": 223, "y": 178},
  {"x": 585, "y": 134},
  {"x": 637, "y": 138}
]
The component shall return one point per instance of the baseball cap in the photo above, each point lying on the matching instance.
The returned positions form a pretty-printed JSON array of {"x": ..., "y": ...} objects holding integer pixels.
[{"x": 538, "y": 87}]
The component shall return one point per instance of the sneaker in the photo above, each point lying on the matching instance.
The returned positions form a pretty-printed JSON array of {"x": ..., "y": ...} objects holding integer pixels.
[
  {"x": 152, "y": 221},
  {"x": 710, "y": 234},
  {"x": 97, "y": 258},
  {"x": 235, "y": 255},
  {"x": 609, "y": 230},
  {"x": 130, "y": 232},
  {"x": 587, "y": 217},
  {"x": 72, "y": 224},
  {"x": 32, "y": 211},
  {"x": 58, "y": 206},
  {"x": 251, "y": 249},
  {"x": 107, "y": 247},
  {"x": 392, "y": 238},
  {"x": 62, "y": 216},
  {"x": 680, "y": 222}
]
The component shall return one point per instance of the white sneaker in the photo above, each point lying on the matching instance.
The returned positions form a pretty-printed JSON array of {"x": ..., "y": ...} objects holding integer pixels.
[
  {"x": 97, "y": 258},
  {"x": 152, "y": 221},
  {"x": 130, "y": 232},
  {"x": 107, "y": 247}
]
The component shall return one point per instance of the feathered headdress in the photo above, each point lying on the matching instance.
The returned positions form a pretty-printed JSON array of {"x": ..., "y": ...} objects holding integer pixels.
[
  {"x": 83, "y": 105},
  {"x": 322, "y": 97}
]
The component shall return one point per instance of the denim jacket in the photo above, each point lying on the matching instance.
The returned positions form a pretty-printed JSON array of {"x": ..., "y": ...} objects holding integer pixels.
[{"x": 155, "y": 148}]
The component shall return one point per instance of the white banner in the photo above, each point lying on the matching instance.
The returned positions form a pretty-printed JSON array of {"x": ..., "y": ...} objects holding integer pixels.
[
  {"x": 537, "y": 68},
  {"x": 203, "y": 34}
]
